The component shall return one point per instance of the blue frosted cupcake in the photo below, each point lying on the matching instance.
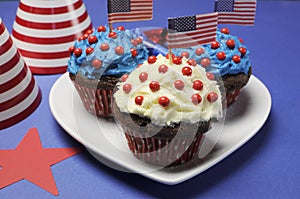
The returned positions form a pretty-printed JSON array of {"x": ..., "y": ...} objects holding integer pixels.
[{"x": 98, "y": 60}]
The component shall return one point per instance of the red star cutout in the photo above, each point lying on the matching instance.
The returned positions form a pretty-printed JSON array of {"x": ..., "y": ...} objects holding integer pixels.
[{"x": 32, "y": 162}]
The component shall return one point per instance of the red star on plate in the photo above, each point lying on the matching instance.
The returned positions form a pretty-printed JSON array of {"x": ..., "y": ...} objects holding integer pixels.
[{"x": 32, "y": 162}]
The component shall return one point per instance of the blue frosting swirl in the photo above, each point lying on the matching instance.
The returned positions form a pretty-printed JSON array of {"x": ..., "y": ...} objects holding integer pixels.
[
  {"x": 112, "y": 63},
  {"x": 221, "y": 67}
]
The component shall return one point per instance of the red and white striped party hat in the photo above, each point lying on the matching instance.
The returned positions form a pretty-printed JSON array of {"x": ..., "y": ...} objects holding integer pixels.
[
  {"x": 43, "y": 31},
  {"x": 19, "y": 94}
]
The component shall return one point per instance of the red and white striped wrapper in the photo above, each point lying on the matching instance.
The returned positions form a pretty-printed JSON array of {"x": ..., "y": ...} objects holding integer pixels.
[
  {"x": 96, "y": 101},
  {"x": 44, "y": 30},
  {"x": 161, "y": 151},
  {"x": 232, "y": 97},
  {"x": 19, "y": 94}
]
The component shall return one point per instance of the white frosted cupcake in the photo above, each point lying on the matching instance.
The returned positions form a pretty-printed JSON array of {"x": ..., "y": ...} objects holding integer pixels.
[{"x": 164, "y": 109}]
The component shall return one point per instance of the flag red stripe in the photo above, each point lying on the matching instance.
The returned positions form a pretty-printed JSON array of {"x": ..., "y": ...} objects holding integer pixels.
[
  {"x": 53, "y": 40},
  {"x": 124, "y": 14},
  {"x": 44, "y": 55},
  {"x": 194, "y": 43},
  {"x": 50, "y": 26},
  {"x": 190, "y": 34},
  {"x": 248, "y": 2},
  {"x": 195, "y": 38},
  {"x": 236, "y": 22},
  {"x": 21, "y": 116},
  {"x": 13, "y": 82},
  {"x": 50, "y": 11}
]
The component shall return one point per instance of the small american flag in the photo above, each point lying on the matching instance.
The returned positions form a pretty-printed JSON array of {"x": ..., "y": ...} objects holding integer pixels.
[
  {"x": 129, "y": 10},
  {"x": 193, "y": 30},
  {"x": 240, "y": 12}
]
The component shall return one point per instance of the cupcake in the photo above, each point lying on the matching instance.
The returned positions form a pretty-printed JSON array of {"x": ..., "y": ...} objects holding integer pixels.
[
  {"x": 165, "y": 109},
  {"x": 98, "y": 59},
  {"x": 227, "y": 58}
]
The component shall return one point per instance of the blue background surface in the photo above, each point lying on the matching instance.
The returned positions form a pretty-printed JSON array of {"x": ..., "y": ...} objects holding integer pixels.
[{"x": 265, "y": 167}]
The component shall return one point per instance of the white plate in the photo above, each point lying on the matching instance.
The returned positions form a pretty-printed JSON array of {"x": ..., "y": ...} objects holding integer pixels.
[{"x": 107, "y": 143}]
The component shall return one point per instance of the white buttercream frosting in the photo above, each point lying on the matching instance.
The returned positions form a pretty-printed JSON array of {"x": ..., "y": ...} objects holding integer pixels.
[{"x": 181, "y": 107}]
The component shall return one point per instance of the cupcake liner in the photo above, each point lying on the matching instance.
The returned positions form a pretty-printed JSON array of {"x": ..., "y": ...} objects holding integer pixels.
[
  {"x": 231, "y": 97},
  {"x": 96, "y": 101},
  {"x": 163, "y": 151}
]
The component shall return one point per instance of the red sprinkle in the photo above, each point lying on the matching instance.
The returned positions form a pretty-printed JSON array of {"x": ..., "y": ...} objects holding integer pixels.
[
  {"x": 198, "y": 85},
  {"x": 139, "y": 100},
  {"x": 134, "y": 52},
  {"x": 179, "y": 84},
  {"x": 92, "y": 39},
  {"x": 164, "y": 101},
  {"x": 154, "y": 86},
  {"x": 185, "y": 54},
  {"x": 121, "y": 28},
  {"x": 127, "y": 88},
  {"x": 143, "y": 76},
  {"x": 119, "y": 50},
  {"x": 139, "y": 40},
  {"x": 205, "y": 62},
  {"x": 236, "y": 59},
  {"x": 225, "y": 31},
  {"x": 212, "y": 97},
  {"x": 221, "y": 56},
  {"x": 104, "y": 47},
  {"x": 71, "y": 49},
  {"x": 112, "y": 35},
  {"x": 187, "y": 71},
  {"x": 96, "y": 63},
  {"x": 77, "y": 52},
  {"x": 152, "y": 59},
  {"x": 89, "y": 50},
  {"x": 243, "y": 51},
  {"x": 163, "y": 68},
  {"x": 230, "y": 43},
  {"x": 215, "y": 45},
  {"x": 199, "y": 51},
  {"x": 210, "y": 76},
  {"x": 192, "y": 62},
  {"x": 124, "y": 77},
  {"x": 101, "y": 29},
  {"x": 177, "y": 60},
  {"x": 196, "y": 99}
]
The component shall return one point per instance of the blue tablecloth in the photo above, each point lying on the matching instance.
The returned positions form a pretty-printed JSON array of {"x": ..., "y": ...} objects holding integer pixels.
[{"x": 265, "y": 167}]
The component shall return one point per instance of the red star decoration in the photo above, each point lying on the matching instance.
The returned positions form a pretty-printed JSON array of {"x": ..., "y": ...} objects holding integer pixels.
[{"x": 32, "y": 162}]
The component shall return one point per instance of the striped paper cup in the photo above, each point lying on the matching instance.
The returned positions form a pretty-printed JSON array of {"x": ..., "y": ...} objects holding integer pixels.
[
  {"x": 44, "y": 30},
  {"x": 19, "y": 94}
]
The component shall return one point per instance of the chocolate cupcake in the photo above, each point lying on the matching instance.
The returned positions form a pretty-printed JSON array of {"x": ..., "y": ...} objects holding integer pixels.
[
  {"x": 98, "y": 59},
  {"x": 165, "y": 109},
  {"x": 227, "y": 59}
]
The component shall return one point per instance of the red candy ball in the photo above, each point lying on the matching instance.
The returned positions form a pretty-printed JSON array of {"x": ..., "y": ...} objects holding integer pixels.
[
  {"x": 80, "y": 38},
  {"x": 71, "y": 49},
  {"x": 164, "y": 101},
  {"x": 77, "y": 52},
  {"x": 124, "y": 77},
  {"x": 127, "y": 88},
  {"x": 154, "y": 86},
  {"x": 92, "y": 39},
  {"x": 198, "y": 85},
  {"x": 196, "y": 99},
  {"x": 134, "y": 42},
  {"x": 119, "y": 50},
  {"x": 85, "y": 36},
  {"x": 243, "y": 51},
  {"x": 179, "y": 84},
  {"x": 205, "y": 62},
  {"x": 215, "y": 45},
  {"x": 199, "y": 51},
  {"x": 225, "y": 31},
  {"x": 143, "y": 76},
  {"x": 139, "y": 40},
  {"x": 212, "y": 97},
  {"x": 96, "y": 63},
  {"x": 112, "y": 35},
  {"x": 163, "y": 68},
  {"x": 90, "y": 31},
  {"x": 210, "y": 76},
  {"x": 89, "y": 50},
  {"x": 101, "y": 29},
  {"x": 221, "y": 56},
  {"x": 187, "y": 71},
  {"x": 167, "y": 56},
  {"x": 104, "y": 47},
  {"x": 241, "y": 40},
  {"x": 192, "y": 62},
  {"x": 134, "y": 52},
  {"x": 151, "y": 59},
  {"x": 236, "y": 59},
  {"x": 230, "y": 43},
  {"x": 177, "y": 60},
  {"x": 121, "y": 28},
  {"x": 185, "y": 54},
  {"x": 139, "y": 100}
]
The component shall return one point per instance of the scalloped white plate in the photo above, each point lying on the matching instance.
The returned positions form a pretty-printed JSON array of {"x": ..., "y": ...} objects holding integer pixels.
[{"x": 106, "y": 142}]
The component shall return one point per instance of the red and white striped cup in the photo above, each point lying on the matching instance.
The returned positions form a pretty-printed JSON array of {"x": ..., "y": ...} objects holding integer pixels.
[
  {"x": 44, "y": 30},
  {"x": 19, "y": 94}
]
